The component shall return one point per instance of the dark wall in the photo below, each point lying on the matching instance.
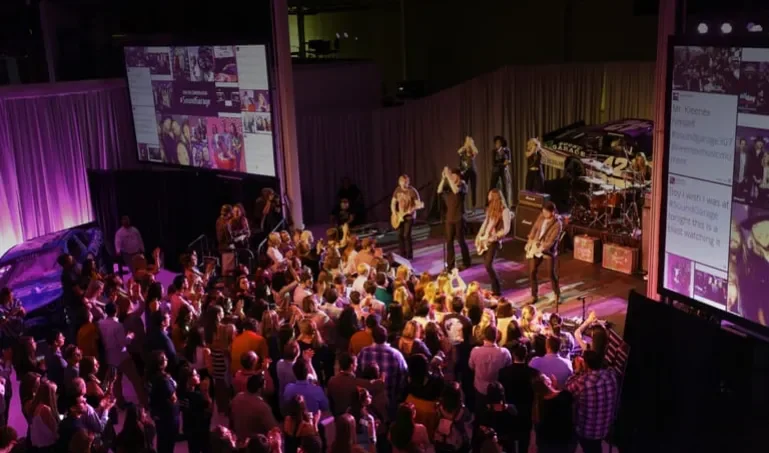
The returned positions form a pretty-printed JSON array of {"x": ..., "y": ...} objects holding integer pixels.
[
  {"x": 170, "y": 207},
  {"x": 449, "y": 41}
]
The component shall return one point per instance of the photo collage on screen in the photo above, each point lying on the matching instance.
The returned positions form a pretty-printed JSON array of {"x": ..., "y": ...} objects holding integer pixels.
[
  {"x": 706, "y": 84},
  {"x": 198, "y": 106},
  {"x": 749, "y": 242}
]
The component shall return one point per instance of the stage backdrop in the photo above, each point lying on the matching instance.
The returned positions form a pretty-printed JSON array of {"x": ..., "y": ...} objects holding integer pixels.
[
  {"x": 373, "y": 147},
  {"x": 50, "y": 135}
]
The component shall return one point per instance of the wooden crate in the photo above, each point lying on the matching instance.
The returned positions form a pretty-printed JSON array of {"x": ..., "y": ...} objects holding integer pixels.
[
  {"x": 620, "y": 258},
  {"x": 587, "y": 248}
]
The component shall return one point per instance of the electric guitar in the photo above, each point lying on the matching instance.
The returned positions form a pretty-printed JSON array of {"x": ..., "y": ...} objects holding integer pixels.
[
  {"x": 397, "y": 217},
  {"x": 533, "y": 249},
  {"x": 481, "y": 243}
]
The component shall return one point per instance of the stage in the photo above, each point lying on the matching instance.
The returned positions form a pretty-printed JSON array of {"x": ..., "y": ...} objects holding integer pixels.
[{"x": 605, "y": 291}]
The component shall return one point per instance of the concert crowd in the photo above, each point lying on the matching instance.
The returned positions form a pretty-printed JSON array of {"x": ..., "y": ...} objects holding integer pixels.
[{"x": 324, "y": 345}]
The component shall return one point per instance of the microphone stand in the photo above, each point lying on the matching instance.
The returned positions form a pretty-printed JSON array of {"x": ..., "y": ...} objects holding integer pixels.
[{"x": 584, "y": 307}]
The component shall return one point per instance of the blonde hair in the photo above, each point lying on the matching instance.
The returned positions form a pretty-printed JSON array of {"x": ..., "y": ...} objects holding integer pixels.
[
  {"x": 274, "y": 239},
  {"x": 411, "y": 330},
  {"x": 444, "y": 285},
  {"x": 270, "y": 323},
  {"x": 363, "y": 269},
  {"x": 403, "y": 297},
  {"x": 224, "y": 335},
  {"x": 402, "y": 273},
  {"x": 306, "y": 236},
  {"x": 431, "y": 290},
  {"x": 473, "y": 287}
]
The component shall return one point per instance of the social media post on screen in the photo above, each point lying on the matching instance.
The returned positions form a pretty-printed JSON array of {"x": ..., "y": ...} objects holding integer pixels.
[
  {"x": 702, "y": 130},
  {"x": 706, "y": 69},
  {"x": 710, "y": 286},
  {"x": 678, "y": 274},
  {"x": 748, "y": 275},
  {"x": 697, "y": 221},
  {"x": 751, "y": 166}
]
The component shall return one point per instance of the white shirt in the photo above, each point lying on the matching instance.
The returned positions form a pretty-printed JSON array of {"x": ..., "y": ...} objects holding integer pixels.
[
  {"x": 743, "y": 160},
  {"x": 128, "y": 240},
  {"x": 276, "y": 257},
  {"x": 358, "y": 284},
  {"x": 544, "y": 227},
  {"x": 300, "y": 292},
  {"x": 113, "y": 336},
  {"x": 349, "y": 267}
]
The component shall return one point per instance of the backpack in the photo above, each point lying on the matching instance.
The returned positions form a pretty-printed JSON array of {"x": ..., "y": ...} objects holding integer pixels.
[{"x": 451, "y": 432}]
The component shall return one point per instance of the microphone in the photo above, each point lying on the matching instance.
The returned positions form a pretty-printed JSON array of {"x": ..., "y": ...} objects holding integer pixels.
[{"x": 581, "y": 298}]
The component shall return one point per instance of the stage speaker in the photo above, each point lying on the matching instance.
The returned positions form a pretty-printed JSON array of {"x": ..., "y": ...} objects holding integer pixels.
[
  {"x": 533, "y": 199},
  {"x": 646, "y": 232},
  {"x": 525, "y": 216}
]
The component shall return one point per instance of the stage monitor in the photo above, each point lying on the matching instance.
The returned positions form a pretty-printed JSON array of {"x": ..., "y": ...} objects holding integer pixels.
[
  {"x": 715, "y": 210},
  {"x": 202, "y": 106}
]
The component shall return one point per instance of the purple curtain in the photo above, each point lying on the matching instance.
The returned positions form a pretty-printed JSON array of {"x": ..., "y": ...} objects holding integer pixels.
[{"x": 49, "y": 136}]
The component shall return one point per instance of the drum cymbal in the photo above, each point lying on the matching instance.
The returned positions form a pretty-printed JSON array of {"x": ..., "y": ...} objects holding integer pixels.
[{"x": 592, "y": 180}]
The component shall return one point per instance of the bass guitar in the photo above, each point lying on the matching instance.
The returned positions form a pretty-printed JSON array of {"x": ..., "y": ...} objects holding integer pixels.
[
  {"x": 397, "y": 217},
  {"x": 533, "y": 249}
]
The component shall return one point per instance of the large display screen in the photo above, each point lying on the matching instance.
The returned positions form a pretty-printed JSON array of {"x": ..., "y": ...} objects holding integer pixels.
[
  {"x": 202, "y": 106},
  {"x": 716, "y": 224}
]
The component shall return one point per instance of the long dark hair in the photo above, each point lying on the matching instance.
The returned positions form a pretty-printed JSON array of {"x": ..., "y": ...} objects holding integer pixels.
[{"x": 402, "y": 429}]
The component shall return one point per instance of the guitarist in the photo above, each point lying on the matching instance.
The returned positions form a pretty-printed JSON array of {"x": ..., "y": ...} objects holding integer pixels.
[
  {"x": 543, "y": 241},
  {"x": 406, "y": 201},
  {"x": 494, "y": 228}
]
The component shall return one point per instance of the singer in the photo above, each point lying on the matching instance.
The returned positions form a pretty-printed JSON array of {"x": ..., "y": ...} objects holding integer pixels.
[{"x": 453, "y": 191}]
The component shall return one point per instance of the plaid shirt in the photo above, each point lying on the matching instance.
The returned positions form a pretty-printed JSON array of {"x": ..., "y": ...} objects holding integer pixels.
[
  {"x": 391, "y": 363},
  {"x": 595, "y": 396}
]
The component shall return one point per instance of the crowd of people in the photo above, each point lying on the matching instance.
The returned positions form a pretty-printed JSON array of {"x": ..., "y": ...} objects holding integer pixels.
[{"x": 326, "y": 347}]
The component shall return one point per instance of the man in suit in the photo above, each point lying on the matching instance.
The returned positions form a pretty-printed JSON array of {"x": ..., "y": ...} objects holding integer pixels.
[{"x": 545, "y": 234}]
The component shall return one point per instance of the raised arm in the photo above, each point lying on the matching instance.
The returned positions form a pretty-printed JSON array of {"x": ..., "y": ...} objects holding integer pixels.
[{"x": 443, "y": 181}]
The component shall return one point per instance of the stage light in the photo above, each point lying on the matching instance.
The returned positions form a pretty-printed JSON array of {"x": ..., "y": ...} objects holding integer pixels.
[
  {"x": 755, "y": 28},
  {"x": 726, "y": 28},
  {"x": 702, "y": 28}
]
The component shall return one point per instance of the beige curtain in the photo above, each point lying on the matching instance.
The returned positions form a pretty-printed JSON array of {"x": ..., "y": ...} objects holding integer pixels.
[
  {"x": 629, "y": 90},
  {"x": 421, "y": 137}
]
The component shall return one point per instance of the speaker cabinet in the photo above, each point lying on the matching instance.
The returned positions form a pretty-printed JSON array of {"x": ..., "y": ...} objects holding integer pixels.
[{"x": 525, "y": 216}]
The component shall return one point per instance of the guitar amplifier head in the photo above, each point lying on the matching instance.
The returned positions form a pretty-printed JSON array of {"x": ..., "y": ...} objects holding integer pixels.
[
  {"x": 533, "y": 199},
  {"x": 525, "y": 216}
]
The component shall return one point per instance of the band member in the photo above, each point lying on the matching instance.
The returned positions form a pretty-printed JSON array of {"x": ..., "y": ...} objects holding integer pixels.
[
  {"x": 454, "y": 190},
  {"x": 500, "y": 174},
  {"x": 544, "y": 236},
  {"x": 467, "y": 154},
  {"x": 756, "y": 167},
  {"x": 495, "y": 227},
  {"x": 535, "y": 177},
  {"x": 741, "y": 159},
  {"x": 223, "y": 238},
  {"x": 406, "y": 202},
  {"x": 640, "y": 168}
]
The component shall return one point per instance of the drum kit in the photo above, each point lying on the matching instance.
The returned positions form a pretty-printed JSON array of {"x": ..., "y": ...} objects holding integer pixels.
[{"x": 609, "y": 202}]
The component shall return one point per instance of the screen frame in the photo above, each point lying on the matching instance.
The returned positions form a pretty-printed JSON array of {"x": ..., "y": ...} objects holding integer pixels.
[
  {"x": 704, "y": 41},
  {"x": 195, "y": 41}
]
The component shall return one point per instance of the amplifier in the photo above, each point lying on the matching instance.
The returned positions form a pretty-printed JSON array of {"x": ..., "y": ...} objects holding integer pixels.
[
  {"x": 587, "y": 248},
  {"x": 533, "y": 199},
  {"x": 620, "y": 258},
  {"x": 525, "y": 216}
]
